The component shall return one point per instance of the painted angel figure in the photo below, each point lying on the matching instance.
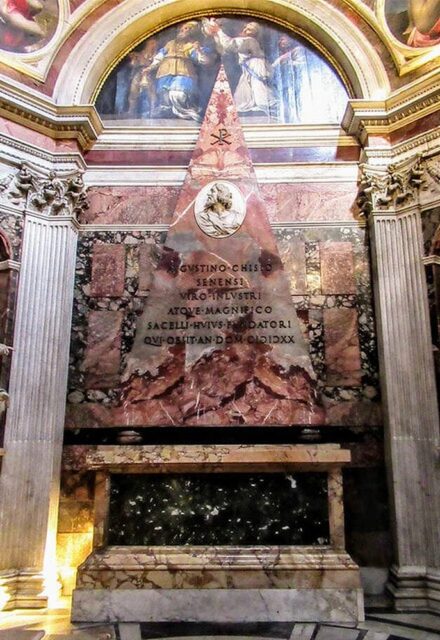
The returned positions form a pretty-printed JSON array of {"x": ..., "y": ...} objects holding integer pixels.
[
  {"x": 18, "y": 26},
  {"x": 254, "y": 91},
  {"x": 424, "y": 29}
]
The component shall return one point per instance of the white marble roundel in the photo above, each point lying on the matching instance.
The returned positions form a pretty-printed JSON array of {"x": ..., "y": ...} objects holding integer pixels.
[{"x": 220, "y": 209}]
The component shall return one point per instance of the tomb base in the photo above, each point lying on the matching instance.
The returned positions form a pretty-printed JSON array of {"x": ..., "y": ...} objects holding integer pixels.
[{"x": 218, "y": 584}]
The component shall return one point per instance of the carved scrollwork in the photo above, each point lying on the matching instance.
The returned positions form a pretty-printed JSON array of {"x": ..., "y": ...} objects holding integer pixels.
[
  {"x": 17, "y": 186},
  {"x": 53, "y": 195},
  {"x": 391, "y": 188},
  {"x": 433, "y": 169},
  {"x": 4, "y": 400}
]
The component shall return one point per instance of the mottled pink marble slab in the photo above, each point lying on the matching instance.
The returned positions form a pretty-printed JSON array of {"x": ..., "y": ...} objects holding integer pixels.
[
  {"x": 342, "y": 353},
  {"x": 219, "y": 458},
  {"x": 218, "y": 568},
  {"x": 148, "y": 255},
  {"x": 102, "y": 358},
  {"x": 284, "y": 202},
  {"x": 108, "y": 270},
  {"x": 316, "y": 202},
  {"x": 337, "y": 268},
  {"x": 219, "y": 341},
  {"x": 293, "y": 256},
  {"x": 131, "y": 205}
]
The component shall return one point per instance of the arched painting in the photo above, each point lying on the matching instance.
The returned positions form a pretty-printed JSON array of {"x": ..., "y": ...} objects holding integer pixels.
[
  {"x": 27, "y": 25},
  {"x": 416, "y": 23},
  {"x": 275, "y": 77}
]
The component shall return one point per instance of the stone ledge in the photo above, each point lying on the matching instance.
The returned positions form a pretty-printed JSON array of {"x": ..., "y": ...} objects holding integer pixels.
[
  {"x": 218, "y": 605},
  {"x": 218, "y": 458}
]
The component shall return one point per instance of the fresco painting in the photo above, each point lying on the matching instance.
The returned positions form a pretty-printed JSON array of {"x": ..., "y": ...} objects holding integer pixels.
[
  {"x": 275, "y": 77},
  {"x": 27, "y": 25},
  {"x": 414, "y": 22}
]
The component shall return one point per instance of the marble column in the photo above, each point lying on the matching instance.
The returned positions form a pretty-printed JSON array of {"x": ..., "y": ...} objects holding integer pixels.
[
  {"x": 408, "y": 381},
  {"x": 29, "y": 481}
]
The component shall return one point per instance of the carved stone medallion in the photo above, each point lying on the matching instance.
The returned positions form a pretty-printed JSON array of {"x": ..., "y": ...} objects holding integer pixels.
[{"x": 220, "y": 209}]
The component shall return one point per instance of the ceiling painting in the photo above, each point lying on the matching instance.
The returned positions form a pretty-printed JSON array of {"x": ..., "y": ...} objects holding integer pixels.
[{"x": 27, "y": 25}]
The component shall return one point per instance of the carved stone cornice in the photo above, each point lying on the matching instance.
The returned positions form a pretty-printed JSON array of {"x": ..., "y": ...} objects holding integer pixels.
[
  {"x": 403, "y": 107},
  {"x": 52, "y": 195},
  {"x": 38, "y": 112},
  {"x": 392, "y": 188}
]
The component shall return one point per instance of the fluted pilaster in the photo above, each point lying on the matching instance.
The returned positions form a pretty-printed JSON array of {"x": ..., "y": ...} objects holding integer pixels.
[
  {"x": 29, "y": 481},
  {"x": 408, "y": 381}
]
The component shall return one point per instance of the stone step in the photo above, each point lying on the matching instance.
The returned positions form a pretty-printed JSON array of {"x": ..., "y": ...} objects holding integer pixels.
[
  {"x": 337, "y": 633},
  {"x": 132, "y": 631},
  {"x": 376, "y": 635},
  {"x": 303, "y": 631},
  {"x": 129, "y": 631},
  {"x": 93, "y": 633},
  {"x": 20, "y": 634}
]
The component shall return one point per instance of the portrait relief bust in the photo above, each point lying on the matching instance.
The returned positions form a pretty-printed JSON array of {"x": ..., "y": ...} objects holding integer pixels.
[{"x": 220, "y": 209}]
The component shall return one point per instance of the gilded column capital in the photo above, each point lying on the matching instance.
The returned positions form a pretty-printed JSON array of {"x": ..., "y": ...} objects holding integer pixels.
[
  {"x": 51, "y": 195},
  {"x": 392, "y": 188}
]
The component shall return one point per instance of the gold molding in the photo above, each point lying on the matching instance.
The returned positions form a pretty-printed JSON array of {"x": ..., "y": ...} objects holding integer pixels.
[
  {"x": 39, "y": 113},
  {"x": 406, "y": 59},
  {"x": 403, "y": 107},
  {"x": 36, "y": 64}
]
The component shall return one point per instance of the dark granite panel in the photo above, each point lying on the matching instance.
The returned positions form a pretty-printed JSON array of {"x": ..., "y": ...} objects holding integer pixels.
[{"x": 219, "y": 509}]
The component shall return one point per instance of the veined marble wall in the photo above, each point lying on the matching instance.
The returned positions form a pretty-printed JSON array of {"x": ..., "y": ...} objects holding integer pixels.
[
  {"x": 328, "y": 267},
  {"x": 328, "y": 271}
]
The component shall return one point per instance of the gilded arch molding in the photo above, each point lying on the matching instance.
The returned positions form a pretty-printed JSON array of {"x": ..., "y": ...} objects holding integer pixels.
[{"x": 108, "y": 40}]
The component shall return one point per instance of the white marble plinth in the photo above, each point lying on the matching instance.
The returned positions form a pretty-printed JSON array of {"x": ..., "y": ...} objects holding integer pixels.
[
  {"x": 414, "y": 588},
  {"x": 218, "y": 584},
  {"x": 218, "y": 605},
  {"x": 22, "y": 589}
]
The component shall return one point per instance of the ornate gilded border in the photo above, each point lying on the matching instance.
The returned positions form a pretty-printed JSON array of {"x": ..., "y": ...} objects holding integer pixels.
[{"x": 407, "y": 59}]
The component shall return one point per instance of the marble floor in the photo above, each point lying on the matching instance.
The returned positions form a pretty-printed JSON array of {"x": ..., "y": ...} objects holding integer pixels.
[{"x": 54, "y": 624}]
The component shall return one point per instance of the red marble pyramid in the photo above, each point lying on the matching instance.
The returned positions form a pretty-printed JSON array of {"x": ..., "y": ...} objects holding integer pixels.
[{"x": 219, "y": 342}]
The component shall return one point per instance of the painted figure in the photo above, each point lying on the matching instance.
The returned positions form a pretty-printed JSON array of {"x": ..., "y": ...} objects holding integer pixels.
[
  {"x": 310, "y": 91},
  {"x": 175, "y": 67},
  {"x": 142, "y": 93},
  {"x": 276, "y": 77},
  {"x": 289, "y": 69},
  {"x": 254, "y": 91},
  {"x": 18, "y": 26},
  {"x": 424, "y": 29}
]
